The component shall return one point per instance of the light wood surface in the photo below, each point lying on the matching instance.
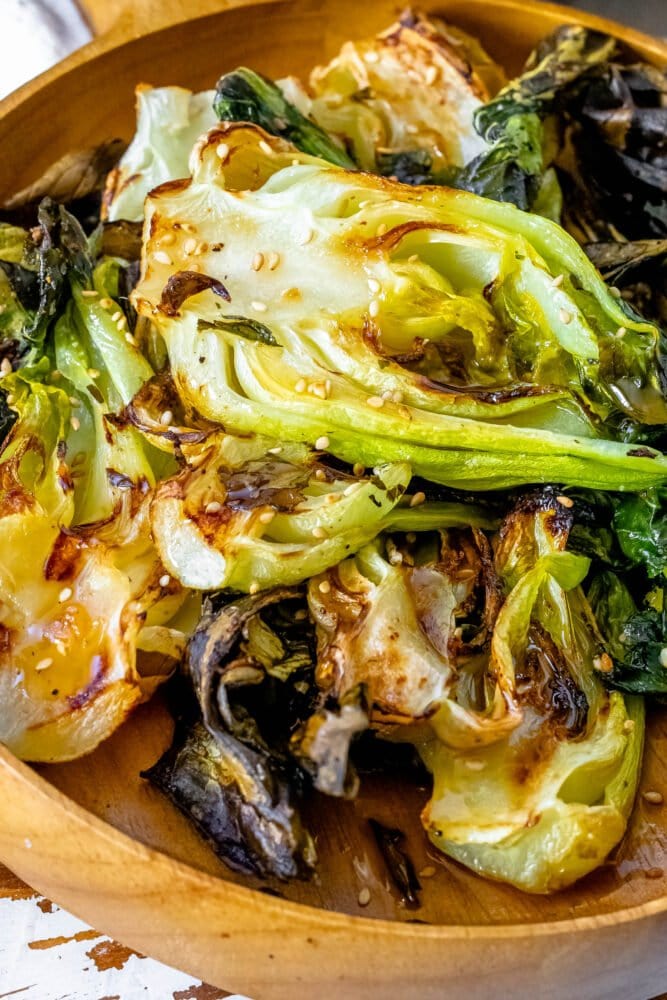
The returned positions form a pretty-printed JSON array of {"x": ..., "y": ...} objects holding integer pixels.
[{"x": 94, "y": 837}]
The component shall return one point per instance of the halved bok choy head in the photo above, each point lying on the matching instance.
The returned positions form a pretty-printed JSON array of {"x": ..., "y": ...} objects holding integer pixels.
[
  {"x": 474, "y": 341},
  {"x": 491, "y": 663}
]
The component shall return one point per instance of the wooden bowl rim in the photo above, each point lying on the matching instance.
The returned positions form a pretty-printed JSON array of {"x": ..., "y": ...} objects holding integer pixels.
[{"x": 102, "y": 831}]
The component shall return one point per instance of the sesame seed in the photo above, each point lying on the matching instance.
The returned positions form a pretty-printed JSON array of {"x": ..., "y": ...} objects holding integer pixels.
[
  {"x": 257, "y": 262},
  {"x": 65, "y": 594},
  {"x": 320, "y": 475},
  {"x": 430, "y": 75},
  {"x": 417, "y": 499},
  {"x": 107, "y": 303},
  {"x": 187, "y": 227},
  {"x": 276, "y": 450},
  {"x": 300, "y": 615},
  {"x": 557, "y": 281},
  {"x": 121, "y": 324},
  {"x": 273, "y": 260},
  {"x": 164, "y": 580},
  {"x": 372, "y": 56},
  {"x": 375, "y": 402},
  {"x": 616, "y": 292},
  {"x": 628, "y": 726},
  {"x": 259, "y": 307},
  {"x": 162, "y": 257},
  {"x": 319, "y": 532},
  {"x": 352, "y": 488},
  {"x": 655, "y": 798},
  {"x": 265, "y": 148},
  {"x": 267, "y": 516},
  {"x": 319, "y": 390},
  {"x": 413, "y": 258},
  {"x": 222, "y": 151},
  {"x": 564, "y": 316},
  {"x": 93, "y": 373},
  {"x": 89, "y": 293},
  {"x": 300, "y": 385},
  {"x": 9, "y": 399},
  {"x": 324, "y": 587},
  {"x": 116, "y": 316},
  {"x": 364, "y": 896},
  {"x": 44, "y": 664},
  {"x": 73, "y": 401},
  {"x": 166, "y": 418},
  {"x": 412, "y": 129},
  {"x": 621, "y": 332},
  {"x": 358, "y": 469},
  {"x": 253, "y": 588},
  {"x": 332, "y": 498},
  {"x": 5, "y": 366},
  {"x": 382, "y": 229},
  {"x": 397, "y": 396},
  {"x": 55, "y": 374},
  {"x": 307, "y": 237},
  {"x": 475, "y": 765},
  {"x": 387, "y": 395},
  {"x": 374, "y": 286},
  {"x": 404, "y": 412},
  {"x": 663, "y": 657},
  {"x": 427, "y": 872},
  {"x": 322, "y": 443},
  {"x": 565, "y": 501},
  {"x": 603, "y": 663},
  {"x": 167, "y": 239},
  {"x": 130, "y": 339},
  {"x": 374, "y": 308},
  {"x": 214, "y": 507},
  {"x": 75, "y": 423},
  {"x": 190, "y": 246}
]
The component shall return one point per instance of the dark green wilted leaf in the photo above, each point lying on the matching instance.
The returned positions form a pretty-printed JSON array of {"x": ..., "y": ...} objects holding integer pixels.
[{"x": 245, "y": 96}]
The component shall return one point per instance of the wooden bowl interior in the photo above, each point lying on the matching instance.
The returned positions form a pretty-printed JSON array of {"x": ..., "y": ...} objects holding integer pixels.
[{"x": 93, "y": 102}]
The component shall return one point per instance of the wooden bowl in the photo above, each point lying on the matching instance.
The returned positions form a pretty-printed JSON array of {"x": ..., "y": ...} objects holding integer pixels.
[{"x": 97, "y": 839}]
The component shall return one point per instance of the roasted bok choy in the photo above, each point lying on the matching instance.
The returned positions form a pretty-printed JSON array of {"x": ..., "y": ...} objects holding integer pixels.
[{"x": 339, "y": 409}]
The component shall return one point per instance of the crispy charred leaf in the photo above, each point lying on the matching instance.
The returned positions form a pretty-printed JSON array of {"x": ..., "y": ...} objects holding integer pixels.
[
  {"x": 636, "y": 639},
  {"x": 75, "y": 175},
  {"x": 249, "y": 329},
  {"x": 214, "y": 667},
  {"x": 245, "y": 96},
  {"x": 616, "y": 152},
  {"x": 399, "y": 864},
  {"x": 512, "y": 169},
  {"x": 231, "y": 774},
  {"x": 183, "y": 285},
  {"x": 640, "y": 523},
  {"x": 238, "y": 799}
]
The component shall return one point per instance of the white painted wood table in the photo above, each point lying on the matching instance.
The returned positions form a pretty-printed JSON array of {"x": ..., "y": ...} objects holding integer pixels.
[{"x": 47, "y": 954}]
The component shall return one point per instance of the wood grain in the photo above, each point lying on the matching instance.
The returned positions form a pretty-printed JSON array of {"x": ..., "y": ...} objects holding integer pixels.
[{"x": 92, "y": 835}]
